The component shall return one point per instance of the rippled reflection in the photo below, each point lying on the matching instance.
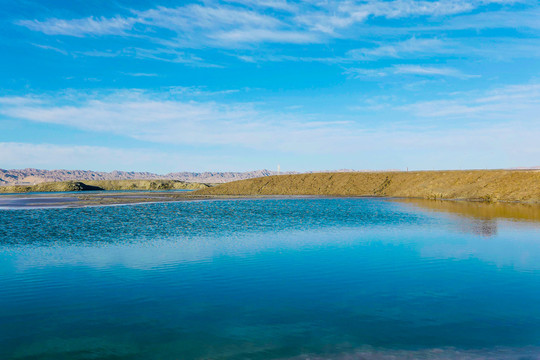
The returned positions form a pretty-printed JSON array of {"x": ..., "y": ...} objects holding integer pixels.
[
  {"x": 268, "y": 279},
  {"x": 481, "y": 210}
]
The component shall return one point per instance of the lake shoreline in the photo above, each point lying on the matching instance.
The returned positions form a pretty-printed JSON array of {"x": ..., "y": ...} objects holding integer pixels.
[
  {"x": 491, "y": 186},
  {"x": 475, "y": 208}
]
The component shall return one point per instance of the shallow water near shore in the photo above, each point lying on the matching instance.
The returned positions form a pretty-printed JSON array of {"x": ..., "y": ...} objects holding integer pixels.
[{"x": 271, "y": 279}]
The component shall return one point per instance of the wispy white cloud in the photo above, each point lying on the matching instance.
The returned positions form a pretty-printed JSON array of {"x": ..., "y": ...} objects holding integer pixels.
[
  {"x": 331, "y": 17},
  {"x": 171, "y": 55},
  {"x": 194, "y": 25},
  {"x": 414, "y": 47},
  {"x": 359, "y": 73},
  {"x": 502, "y": 49},
  {"x": 97, "y": 53},
  {"x": 230, "y": 24},
  {"x": 342, "y": 15},
  {"x": 416, "y": 70},
  {"x": 200, "y": 91},
  {"x": 272, "y": 4},
  {"x": 517, "y": 19},
  {"x": 265, "y": 35},
  {"x": 165, "y": 54},
  {"x": 430, "y": 71},
  {"x": 209, "y": 17},
  {"x": 150, "y": 117},
  {"x": 47, "y": 47},
  {"x": 141, "y": 74},
  {"x": 185, "y": 34},
  {"x": 410, "y": 48},
  {"x": 510, "y": 103},
  {"x": 81, "y": 27},
  {"x": 16, "y": 101}
]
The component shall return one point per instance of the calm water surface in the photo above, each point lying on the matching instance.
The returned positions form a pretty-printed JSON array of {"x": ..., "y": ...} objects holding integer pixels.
[{"x": 271, "y": 279}]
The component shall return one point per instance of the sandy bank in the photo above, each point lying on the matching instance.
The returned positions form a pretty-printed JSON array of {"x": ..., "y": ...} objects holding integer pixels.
[{"x": 483, "y": 185}]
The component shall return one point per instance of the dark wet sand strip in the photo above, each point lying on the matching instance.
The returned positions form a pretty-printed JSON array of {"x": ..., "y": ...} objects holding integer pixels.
[{"x": 30, "y": 202}]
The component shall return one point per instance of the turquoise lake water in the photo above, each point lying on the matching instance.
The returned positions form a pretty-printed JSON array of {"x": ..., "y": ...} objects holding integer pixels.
[{"x": 269, "y": 279}]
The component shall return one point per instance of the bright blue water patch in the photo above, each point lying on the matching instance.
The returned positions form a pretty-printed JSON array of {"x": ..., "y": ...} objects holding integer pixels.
[{"x": 266, "y": 279}]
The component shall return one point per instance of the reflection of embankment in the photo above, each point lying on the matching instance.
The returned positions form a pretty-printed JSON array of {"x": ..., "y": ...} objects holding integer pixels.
[
  {"x": 484, "y": 185},
  {"x": 479, "y": 218},
  {"x": 480, "y": 211}
]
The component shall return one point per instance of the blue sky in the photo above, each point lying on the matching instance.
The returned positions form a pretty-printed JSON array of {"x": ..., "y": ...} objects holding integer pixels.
[{"x": 238, "y": 85}]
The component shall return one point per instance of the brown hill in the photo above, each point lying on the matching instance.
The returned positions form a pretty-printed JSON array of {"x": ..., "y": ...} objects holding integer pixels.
[
  {"x": 485, "y": 185},
  {"x": 104, "y": 185}
]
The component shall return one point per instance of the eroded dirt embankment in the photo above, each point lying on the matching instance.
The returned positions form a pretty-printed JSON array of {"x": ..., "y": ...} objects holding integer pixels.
[{"x": 485, "y": 185}]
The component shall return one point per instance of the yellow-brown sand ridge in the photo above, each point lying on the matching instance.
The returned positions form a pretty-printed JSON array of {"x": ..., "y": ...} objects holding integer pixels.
[
  {"x": 485, "y": 185},
  {"x": 104, "y": 185}
]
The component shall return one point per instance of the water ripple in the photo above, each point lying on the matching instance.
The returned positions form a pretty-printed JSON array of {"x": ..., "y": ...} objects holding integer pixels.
[{"x": 259, "y": 279}]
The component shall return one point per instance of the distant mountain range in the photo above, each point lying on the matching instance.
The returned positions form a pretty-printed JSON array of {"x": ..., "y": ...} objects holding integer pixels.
[{"x": 36, "y": 176}]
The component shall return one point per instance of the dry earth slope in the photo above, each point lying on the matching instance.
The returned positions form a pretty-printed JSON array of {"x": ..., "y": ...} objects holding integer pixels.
[
  {"x": 62, "y": 186},
  {"x": 485, "y": 185}
]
